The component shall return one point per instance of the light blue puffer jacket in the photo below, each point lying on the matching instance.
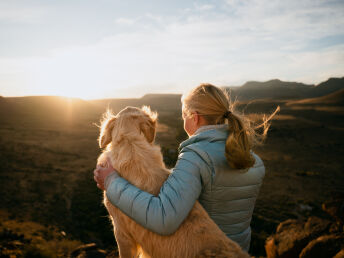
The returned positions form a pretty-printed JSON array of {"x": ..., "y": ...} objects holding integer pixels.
[{"x": 201, "y": 172}]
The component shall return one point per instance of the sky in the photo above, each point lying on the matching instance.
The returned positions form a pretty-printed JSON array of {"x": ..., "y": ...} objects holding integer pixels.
[{"x": 94, "y": 49}]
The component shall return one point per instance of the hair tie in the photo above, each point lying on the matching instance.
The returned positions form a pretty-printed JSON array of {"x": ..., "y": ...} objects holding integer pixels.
[{"x": 227, "y": 114}]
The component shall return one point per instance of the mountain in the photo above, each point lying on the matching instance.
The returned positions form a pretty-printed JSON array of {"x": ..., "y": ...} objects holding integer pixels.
[
  {"x": 273, "y": 89},
  {"x": 51, "y": 110},
  {"x": 327, "y": 87},
  {"x": 47, "y": 104},
  {"x": 160, "y": 102},
  {"x": 63, "y": 109},
  {"x": 276, "y": 89},
  {"x": 336, "y": 99}
]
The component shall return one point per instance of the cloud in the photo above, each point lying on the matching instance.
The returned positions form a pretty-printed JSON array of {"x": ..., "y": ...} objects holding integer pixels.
[
  {"x": 204, "y": 7},
  {"x": 17, "y": 14},
  {"x": 245, "y": 40},
  {"x": 290, "y": 18},
  {"x": 125, "y": 21}
]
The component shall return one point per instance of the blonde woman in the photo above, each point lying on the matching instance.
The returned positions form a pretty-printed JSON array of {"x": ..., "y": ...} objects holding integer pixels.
[{"x": 215, "y": 166}]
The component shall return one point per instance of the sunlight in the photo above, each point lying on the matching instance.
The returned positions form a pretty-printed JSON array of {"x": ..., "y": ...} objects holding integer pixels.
[
  {"x": 71, "y": 74},
  {"x": 69, "y": 112}
]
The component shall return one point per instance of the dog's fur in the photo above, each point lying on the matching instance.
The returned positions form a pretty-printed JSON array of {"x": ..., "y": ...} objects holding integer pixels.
[{"x": 128, "y": 138}]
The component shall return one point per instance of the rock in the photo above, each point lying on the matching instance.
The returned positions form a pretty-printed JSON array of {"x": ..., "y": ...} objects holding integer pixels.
[
  {"x": 336, "y": 209},
  {"x": 340, "y": 254},
  {"x": 316, "y": 226},
  {"x": 88, "y": 251},
  {"x": 293, "y": 235},
  {"x": 323, "y": 247},
  {"x": 271, "y": 248},
  {"x": 285, "y": 225}
]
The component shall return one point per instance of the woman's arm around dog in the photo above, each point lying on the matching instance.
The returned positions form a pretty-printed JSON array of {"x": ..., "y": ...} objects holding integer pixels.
[{"x": 162, "y": 214}]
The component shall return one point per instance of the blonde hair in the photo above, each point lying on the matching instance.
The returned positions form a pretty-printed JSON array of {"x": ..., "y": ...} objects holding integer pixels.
[{"x": 216, "y": 107}]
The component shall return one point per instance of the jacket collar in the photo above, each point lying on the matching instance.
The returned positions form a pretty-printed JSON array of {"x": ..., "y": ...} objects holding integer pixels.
[{"x": 209, "y": 133}]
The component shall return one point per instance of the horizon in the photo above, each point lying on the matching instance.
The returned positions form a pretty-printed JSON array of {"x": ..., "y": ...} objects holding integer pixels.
[
  {"x": 115, "y": 49},
  {"x": 160, "y": 93}
]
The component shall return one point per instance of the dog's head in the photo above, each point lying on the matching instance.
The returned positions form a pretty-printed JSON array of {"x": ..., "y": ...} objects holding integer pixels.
[{"x": 129, "y": 122}]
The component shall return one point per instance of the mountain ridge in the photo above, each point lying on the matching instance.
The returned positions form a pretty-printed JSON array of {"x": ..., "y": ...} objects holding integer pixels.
[
  {"x": 273, "y": 89},
  {"x": 277, "y": 89}
]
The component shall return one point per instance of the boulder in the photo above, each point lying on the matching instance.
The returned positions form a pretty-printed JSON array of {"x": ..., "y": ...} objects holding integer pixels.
[
  {"x": 292, "y": 236},
  {"x": 340, "y": 254},
  {"x": 323, "y": 247}
]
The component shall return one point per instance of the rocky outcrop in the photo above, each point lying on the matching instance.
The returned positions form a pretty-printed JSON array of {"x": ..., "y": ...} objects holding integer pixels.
[
  {"x": 323, "y": 246},
  {"x": 312, "y": 238},
  {"x": 292, "y": 236}
]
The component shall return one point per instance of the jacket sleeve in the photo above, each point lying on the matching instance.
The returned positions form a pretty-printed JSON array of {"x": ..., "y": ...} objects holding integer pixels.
[{"x": 162, "y": 214}]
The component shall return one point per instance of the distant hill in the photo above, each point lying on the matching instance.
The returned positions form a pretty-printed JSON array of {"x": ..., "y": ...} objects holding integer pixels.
[
  {"x": 276, "y": 89},
  {"x": 53, "y": 108},
  {"x": 160, "y": 102},
  {"x": 47, "y": 104},
  {"x": 159, "y": 96},
  {"x": 35, "y": 109},
  {"x": 252, "y": 90},
  {"x": 327, "y": 87},
  {"x": 335, "y": 98}
]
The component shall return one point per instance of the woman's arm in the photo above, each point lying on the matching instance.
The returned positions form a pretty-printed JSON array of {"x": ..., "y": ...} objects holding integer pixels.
[{"x": 164, "y": 213}]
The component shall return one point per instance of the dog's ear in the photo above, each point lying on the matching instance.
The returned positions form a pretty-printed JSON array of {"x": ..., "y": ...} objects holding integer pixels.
[
  {"x": 148, "y": 124},
  {"x": 106, "y": 128}
]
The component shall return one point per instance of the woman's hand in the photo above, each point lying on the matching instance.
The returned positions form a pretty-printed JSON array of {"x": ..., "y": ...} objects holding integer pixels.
[{"x": 101, "y": 173}]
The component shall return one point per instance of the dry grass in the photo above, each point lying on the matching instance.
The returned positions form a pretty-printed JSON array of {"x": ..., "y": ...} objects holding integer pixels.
[{"x": 21, "y": 238}]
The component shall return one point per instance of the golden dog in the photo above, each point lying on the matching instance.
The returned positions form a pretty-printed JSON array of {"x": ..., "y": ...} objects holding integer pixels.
[{"x": 128, "y": 138}]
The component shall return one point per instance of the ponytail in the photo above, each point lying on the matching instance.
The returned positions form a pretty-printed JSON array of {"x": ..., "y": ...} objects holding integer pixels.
[{"x": 238, "y": 147}]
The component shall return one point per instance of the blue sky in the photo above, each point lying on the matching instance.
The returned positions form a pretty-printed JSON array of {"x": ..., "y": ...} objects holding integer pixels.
[{"x": 107, "y": 48}]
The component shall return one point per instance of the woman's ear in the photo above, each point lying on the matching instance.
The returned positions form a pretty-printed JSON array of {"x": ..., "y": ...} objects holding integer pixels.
[
  {"x": 196, "y": 118},
  {"x": 105, "y": 131}
]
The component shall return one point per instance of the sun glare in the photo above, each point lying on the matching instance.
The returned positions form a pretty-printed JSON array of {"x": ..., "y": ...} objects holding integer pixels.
[{"x": 68, "y": 74}]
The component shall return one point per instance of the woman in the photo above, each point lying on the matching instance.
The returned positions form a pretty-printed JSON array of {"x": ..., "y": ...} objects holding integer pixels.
[{"x": 215, "y": 166}]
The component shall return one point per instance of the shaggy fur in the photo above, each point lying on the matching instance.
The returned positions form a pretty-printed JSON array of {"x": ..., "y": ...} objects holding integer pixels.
[{"x": 128, "y": 138}]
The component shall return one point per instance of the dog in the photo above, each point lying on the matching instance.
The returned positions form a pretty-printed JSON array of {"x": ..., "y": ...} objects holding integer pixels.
[{"x": 128, "y": 140}]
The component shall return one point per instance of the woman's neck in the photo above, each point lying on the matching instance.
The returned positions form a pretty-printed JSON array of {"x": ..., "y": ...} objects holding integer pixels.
[{"x": 209, "y": 127}]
